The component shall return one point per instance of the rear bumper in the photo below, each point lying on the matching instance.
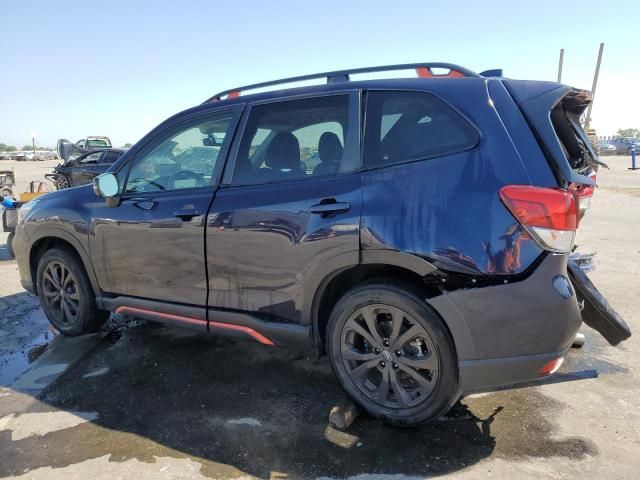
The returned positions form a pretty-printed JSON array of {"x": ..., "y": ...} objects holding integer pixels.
[
  {"x": 536, "y": 315},
  {"x": 477, "y": 376},
  {"x": 505, "y": 334}
]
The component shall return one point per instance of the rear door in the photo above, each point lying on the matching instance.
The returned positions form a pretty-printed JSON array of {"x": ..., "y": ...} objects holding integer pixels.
[{"x": 290, "y": 206}]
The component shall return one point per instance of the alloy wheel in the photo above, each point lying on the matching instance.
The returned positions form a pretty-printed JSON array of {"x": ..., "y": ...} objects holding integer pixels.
[
  {"x": 60, "y": 293},
  {"x": 389, "y": 356},
  {"x": 62, "y": 182}
]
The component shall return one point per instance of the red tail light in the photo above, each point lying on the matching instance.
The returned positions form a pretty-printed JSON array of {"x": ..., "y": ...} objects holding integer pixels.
[
  {"x": 549, "y": 214},
  {"x": 584, "y": 192}
]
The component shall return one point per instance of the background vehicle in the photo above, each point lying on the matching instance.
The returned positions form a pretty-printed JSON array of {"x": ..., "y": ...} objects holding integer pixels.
[
  {"x": 424, "y": 248},
  {"x": 7, "y": 182},
  {"x": 83, "y": 169},
  {"x": 24, "y": 155},
  {"x": 94, "y": 143},
  {"x": 68, "y": 151},
  {"x": 605, "y": 147},
  {"x": 623, "y": 145}
]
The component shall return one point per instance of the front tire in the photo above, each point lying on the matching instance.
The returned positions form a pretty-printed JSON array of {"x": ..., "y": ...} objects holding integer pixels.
[
  {"x": 66, "y": 294},
  {"x": 392, "y": 354}
]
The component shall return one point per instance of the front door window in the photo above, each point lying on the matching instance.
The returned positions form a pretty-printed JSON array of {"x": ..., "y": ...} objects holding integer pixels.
[{"x": 186, "y": 159}]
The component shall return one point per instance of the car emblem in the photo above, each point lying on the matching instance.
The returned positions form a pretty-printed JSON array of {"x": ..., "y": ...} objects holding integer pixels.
[{"x": 387, "y": 355}]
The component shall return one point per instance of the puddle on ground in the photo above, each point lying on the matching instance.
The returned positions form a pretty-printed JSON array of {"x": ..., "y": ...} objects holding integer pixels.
[
  {"x": 16, "y": 359},
  {"x": 25, "y": 334}
]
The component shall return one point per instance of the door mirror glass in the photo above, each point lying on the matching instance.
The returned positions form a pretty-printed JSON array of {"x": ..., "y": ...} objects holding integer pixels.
[{"x": 106, "y": 185}]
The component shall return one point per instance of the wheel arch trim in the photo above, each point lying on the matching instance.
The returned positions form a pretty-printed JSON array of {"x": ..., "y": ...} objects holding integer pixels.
[
  {"x": 61, "y": 234},
  {"x": 442, "y": 304}
]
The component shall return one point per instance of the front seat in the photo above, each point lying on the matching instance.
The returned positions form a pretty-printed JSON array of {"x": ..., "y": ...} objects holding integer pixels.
[
  {"x": 282, "y": 157},
  {"x": 330, "y": 153}
]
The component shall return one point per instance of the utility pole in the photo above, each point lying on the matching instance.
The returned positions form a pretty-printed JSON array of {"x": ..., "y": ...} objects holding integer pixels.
[
  {"x": 593, "y": 87},
  {"x": 33, "y": 142},
  {"x": 560, "y": 65}
]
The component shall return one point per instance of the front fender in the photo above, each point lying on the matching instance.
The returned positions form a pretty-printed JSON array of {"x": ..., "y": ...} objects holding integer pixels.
[{"x": 50, "y": 232}]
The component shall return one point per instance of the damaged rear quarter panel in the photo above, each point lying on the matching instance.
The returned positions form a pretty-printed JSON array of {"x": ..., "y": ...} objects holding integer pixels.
[
  {"x": 533, "y": 315},
  {"x": 447, "y": 209}
]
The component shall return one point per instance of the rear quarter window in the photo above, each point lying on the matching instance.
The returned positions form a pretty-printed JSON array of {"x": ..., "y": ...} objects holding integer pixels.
[{"x": 409, "y": 126}]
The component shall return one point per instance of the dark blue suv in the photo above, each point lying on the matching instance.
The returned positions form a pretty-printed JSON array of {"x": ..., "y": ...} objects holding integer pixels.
[{"x": 416, "y": 230}]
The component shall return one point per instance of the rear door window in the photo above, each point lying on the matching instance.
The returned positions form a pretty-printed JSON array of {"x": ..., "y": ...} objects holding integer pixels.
[
  {"x": 298, "y": 139},
  {"x": 408, "y": 126}
]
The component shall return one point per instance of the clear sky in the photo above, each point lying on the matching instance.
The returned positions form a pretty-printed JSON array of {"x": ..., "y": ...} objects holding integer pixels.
[{"x": 117, "y": 68}]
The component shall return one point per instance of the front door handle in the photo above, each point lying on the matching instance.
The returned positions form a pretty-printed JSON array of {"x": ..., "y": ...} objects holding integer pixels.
[
  {"x": 328, "y": 207},
  {"x": 187, "y": 214}
]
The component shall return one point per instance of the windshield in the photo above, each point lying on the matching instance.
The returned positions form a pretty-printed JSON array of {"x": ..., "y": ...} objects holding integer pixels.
[{"x": 98, "y": 143}]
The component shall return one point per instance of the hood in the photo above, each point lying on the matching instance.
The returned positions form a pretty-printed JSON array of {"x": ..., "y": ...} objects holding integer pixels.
[{"x": 68, "y": 151}]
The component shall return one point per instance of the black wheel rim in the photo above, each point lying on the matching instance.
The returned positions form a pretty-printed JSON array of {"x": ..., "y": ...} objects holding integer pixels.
[
  {"x": 389, "y": 356},
  {"x": 63, "y": 183},
  {"x": 60, "y": 293}
]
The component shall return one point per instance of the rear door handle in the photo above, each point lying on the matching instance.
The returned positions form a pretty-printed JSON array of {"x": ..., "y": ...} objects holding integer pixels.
[
  {"x": 187, "y": 214},
  {"x": 329, "y": 208}
]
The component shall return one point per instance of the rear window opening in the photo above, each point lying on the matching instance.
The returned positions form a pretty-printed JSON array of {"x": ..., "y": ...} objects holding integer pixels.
[{"x": 565, "y": 118}]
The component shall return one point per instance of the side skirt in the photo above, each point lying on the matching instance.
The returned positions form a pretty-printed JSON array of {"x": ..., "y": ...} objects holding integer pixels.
[{"x": 220, "y": 322}]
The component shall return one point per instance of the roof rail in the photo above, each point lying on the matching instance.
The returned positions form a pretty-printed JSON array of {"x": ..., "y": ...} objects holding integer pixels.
[{"x": 423, "y": 70}]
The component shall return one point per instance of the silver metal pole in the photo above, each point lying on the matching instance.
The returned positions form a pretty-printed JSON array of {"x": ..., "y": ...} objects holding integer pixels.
[
  {"x": 560, "y": 65},
  {"x": 593, "y": 87}
]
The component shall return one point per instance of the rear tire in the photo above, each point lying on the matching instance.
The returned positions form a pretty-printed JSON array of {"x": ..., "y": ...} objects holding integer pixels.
[
  {"x": 66, "y": 294},
  {"x": 392, "y": 354}
]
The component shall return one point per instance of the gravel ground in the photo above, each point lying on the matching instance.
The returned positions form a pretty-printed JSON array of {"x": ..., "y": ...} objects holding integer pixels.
[{"x": 149, "y": 401}]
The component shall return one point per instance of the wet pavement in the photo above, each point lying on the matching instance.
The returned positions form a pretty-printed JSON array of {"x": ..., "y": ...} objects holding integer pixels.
[
  {"x": 24, "y": 329},
  {"x": 141, "y": 400},
  {"x": 155, "y": 391}
]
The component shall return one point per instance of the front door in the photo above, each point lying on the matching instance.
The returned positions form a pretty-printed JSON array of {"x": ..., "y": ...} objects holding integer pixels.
[
  {"x": 152, "y": 245},
  {"x": 84, "y": 169},
  {"x": 291, "y": 206}
]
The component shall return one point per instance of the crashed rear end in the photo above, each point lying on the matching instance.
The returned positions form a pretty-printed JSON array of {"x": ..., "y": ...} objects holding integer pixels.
[{"x": 553, "y": 112}]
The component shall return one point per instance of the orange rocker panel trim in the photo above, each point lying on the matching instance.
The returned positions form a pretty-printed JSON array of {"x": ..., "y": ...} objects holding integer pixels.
[{"x": 195, "y": 321}]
